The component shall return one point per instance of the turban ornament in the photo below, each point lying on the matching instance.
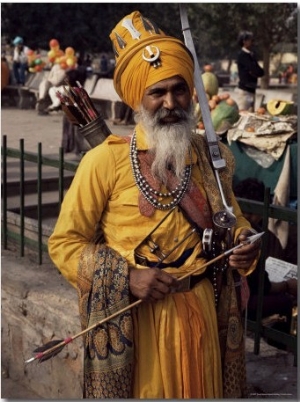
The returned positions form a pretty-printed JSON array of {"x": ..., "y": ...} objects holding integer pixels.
[{"x": 144, "y": 56}]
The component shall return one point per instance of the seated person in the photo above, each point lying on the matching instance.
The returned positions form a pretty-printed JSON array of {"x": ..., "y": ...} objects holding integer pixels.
[
  {"x": 279, "y": 297},
  {"x": 71, "y": 78},
  {"x": 56, "y": 77}
]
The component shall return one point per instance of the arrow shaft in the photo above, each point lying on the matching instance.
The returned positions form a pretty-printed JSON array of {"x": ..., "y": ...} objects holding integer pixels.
[{"x": 117, "y": 313}]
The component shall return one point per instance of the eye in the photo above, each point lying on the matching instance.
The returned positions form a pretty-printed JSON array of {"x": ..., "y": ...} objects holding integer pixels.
[
  {"x": 156, "y": 92},
  {"x": 181, "y": 89}
]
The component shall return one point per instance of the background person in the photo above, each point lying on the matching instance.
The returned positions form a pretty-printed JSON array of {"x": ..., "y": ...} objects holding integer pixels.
[
  {"x": 159, "y": 179},
  {"x": 72, "y": 140},
  {"x": 279, "y": 297},
  {"x": 55, "y": 78},
  {"x": 71, "y": 76},
  {"x": 5, "y": 73},
  {"x": 20, "y": 60},
  {"x": 125, "y": 115},
  {"x": 103, "y": 64},
  {"x": 249, "y": 71}
]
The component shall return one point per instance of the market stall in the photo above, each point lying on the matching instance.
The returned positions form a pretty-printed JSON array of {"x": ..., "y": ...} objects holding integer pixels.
[{"x": 265, "y": 147}]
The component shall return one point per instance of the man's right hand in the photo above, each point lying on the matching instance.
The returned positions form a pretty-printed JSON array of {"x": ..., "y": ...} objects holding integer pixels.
[{"x": 151, "y": 284}]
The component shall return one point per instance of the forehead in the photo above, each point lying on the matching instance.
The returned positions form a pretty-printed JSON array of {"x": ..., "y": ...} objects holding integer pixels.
[{"x": 168, "y": 82}]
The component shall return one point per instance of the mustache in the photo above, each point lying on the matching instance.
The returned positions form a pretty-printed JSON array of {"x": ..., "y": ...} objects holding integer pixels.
[{"x": 177, "y": 112}]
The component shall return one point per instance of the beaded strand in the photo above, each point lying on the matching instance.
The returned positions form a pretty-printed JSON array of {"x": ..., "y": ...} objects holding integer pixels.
[
  {"x": 215, "y": 270},
  {"x": 148, "y": 192}
]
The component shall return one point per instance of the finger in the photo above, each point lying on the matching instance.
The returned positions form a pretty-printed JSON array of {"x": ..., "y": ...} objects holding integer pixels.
[
  {"x": 157, "y": 294},
  {"x": 166, "y": 278},
  {"x": 161, "y": 288},
  {"x": 247, "y": 249},
  {"x": 240, "y": 264},
  {"x": 250, "y": 255}
]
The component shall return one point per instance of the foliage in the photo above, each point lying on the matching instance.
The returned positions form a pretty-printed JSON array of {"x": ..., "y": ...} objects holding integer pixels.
[
  {"x": 215, "y": 26},
  {"x": 216, "y": 29},
  {"x": 83, "y": 26}
]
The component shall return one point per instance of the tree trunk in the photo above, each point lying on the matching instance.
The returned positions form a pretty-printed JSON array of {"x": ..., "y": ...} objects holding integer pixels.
[
  {"x": 266, "y": 65},
  {"x": 229, "y": 65}
]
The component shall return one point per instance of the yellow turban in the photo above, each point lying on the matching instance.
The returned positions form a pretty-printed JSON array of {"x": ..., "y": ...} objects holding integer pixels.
[{"x": 134, "y": 37}]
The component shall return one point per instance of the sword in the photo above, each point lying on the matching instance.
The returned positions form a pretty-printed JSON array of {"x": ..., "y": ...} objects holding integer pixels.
[{"x": 228, "y": 218}]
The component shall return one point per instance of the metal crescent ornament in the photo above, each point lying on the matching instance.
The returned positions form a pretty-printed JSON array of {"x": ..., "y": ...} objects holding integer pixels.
[{"x": 153, "y": 55}]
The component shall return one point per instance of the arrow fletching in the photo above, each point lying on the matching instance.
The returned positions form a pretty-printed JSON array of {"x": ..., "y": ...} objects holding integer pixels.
[{"x": 49, "y": 350}]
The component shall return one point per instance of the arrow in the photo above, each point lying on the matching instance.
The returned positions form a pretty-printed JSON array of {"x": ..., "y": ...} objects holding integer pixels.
[{"x": 54, "y": 347}]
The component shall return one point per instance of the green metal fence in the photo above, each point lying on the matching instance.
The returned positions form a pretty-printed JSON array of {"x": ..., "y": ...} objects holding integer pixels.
[
  {"x": 265, "y": 209},
  {"x": 40, "y": 162}
]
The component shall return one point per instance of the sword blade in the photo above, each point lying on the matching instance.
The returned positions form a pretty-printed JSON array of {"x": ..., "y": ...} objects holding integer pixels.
[{"x": 212, "y": 139}]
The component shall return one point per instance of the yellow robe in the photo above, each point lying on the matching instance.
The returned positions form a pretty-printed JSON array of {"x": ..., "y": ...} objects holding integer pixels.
[{"x": 176, "y": 340}]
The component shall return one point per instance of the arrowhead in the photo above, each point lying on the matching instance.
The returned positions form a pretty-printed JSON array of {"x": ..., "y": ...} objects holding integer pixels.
[{"x": 254, "y": 238}]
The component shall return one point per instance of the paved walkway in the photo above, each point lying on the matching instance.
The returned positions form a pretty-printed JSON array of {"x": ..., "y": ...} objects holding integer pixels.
[
  {"x": 19, "y": 124},
  {"x": 271, "y": 374}
]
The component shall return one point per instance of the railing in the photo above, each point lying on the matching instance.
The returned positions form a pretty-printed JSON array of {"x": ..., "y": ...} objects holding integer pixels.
[
  {"x": 40, "y": 161},
  {"x": 265, "y": 209}
]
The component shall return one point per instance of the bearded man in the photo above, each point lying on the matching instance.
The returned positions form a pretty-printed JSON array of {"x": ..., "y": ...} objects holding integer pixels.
[{"x": 130, "y": 227}]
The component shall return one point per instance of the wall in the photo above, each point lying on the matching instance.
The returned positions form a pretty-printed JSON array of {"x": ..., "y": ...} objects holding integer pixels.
[{"x": 38, "y": 305}]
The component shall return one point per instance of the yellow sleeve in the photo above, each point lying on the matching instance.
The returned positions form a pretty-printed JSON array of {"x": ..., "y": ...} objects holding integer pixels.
[{"x": 81, "y": 209}]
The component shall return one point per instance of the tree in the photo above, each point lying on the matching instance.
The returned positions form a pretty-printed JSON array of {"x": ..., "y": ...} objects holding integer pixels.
[
  {"x": 216, "y": 32},
  {"x": 86, "y": 26}
]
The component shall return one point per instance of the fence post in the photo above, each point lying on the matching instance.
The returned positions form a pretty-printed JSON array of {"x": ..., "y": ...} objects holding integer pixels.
[
  {"x": 22, "y": 198},
  {"x": 61, "y": 176},
  {"x": 39, "y": 201},
  {"x": 4, "y": 191},
  {"x": 261, "y": 267}
]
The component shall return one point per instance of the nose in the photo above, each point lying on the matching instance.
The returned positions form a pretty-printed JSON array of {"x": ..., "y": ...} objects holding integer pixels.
[{"x": 169, "y": 101}]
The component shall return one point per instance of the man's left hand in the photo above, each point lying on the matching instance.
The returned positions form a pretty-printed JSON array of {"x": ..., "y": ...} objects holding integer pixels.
[{"x": 243, "y": 258}]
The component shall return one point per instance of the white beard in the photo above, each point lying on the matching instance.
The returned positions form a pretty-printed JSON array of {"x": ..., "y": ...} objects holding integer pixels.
[{"x": 169, "y": 142}]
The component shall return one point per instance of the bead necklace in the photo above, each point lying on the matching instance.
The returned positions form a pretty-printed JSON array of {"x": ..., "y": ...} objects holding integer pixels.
[
  {"x": 150, "y": 193},
  {"x": 216, "y": 269}
]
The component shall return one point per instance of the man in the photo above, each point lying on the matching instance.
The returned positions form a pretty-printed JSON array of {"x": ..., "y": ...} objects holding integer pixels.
[
  {"x": 20, "y": 60},
  {"x": 140, "y": 198},
  {"x": 249, "y": 71}
]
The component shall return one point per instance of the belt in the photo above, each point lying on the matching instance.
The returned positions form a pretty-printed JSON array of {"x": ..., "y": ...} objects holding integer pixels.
[
  {"x": 190, "y": 282},
  {"x": 187, "y": 283},
  {"x": 175, "y": 264}
]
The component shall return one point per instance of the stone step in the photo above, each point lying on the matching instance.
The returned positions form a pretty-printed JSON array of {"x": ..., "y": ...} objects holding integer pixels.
[
  {"x": 50, "y": 204},
  {"x": 30, "y": 185},
  {"x": 49, "y": 178}
]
